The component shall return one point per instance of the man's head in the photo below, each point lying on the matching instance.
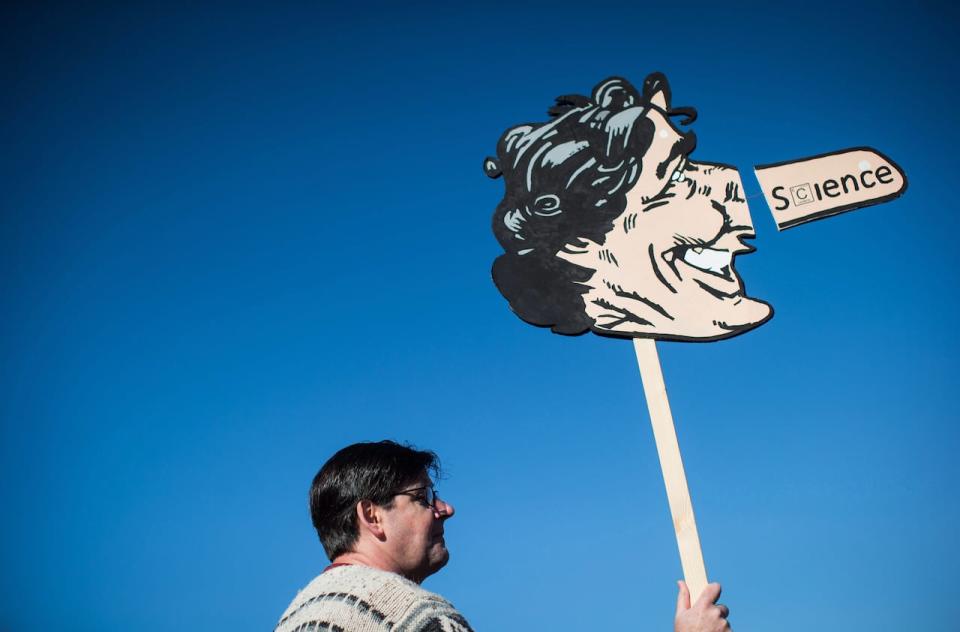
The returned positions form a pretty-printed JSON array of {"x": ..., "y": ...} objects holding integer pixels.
[
  {"x": 374, "y": 499},
  {"x": 608, "y": 225}
]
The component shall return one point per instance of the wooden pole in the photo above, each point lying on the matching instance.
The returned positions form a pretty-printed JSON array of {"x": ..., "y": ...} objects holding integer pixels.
[{"x": 678, "y": 495}]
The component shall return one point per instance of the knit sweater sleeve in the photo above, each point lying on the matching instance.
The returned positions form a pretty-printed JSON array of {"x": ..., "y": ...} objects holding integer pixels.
[{"x": 432, "y": 614}]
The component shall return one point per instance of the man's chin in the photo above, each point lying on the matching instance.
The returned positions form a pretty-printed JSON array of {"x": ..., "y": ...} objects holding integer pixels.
[
  {"x": 439, "y": 550},
  {"x": 438, "y": 562}
]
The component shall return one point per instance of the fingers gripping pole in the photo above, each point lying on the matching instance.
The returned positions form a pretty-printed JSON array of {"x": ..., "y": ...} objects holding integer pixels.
[{"x": 678, "y": 495}]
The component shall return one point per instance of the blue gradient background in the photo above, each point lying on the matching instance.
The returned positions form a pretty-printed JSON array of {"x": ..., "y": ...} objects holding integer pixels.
[{"x": 236, "y": 238}]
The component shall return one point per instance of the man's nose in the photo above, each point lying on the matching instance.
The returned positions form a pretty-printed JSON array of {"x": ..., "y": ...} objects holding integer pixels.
[{"x": 444, "y": 509}]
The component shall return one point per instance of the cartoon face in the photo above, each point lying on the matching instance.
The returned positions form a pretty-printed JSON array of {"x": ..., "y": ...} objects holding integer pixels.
[
  {"x": 667, "y": 267},
  {"x": 609, "y": 226}
]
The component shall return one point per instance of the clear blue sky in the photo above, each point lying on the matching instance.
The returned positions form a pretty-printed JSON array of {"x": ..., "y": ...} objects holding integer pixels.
[{"x": 236, "y": 238}]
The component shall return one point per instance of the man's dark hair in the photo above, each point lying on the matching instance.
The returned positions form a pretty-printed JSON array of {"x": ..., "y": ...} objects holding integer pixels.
[{"x": 373, "y": 471}]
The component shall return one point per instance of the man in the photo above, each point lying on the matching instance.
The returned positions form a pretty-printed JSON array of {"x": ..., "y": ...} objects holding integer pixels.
[{"x": 381, "y": 524}]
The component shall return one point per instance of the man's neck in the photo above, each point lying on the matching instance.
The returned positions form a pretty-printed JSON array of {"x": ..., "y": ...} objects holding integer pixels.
[{"x": 362, "y": 558}]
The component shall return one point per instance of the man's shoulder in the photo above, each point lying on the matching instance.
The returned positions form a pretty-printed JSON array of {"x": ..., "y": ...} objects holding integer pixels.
[
  {"x": 359, "y": 598},
  {"x": 432, "y": 614}
]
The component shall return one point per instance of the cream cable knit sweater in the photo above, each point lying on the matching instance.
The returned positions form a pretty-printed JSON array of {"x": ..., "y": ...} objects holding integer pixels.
[{"x": 363, "y": 599}]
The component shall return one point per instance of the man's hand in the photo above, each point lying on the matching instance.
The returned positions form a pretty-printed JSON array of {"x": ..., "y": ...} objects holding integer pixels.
[{"x": 705, "y": 616}]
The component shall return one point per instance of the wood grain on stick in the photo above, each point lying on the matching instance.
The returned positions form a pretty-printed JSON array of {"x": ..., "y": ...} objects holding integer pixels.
[{"x": 678, "y": 495}]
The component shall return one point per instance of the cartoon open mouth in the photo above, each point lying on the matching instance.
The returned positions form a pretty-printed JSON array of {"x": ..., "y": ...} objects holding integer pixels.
[
  {"x": 715, "y": 259},
  {"x": 707, "y": 259}
]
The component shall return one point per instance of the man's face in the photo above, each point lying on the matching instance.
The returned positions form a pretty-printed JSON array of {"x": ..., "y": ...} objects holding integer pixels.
[
  {"x": 667, "y": 267},
  {"x": 414, "y": 531}
]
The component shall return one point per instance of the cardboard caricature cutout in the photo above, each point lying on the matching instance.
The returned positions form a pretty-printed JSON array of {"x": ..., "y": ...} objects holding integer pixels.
[{"x": 609, "y": 225}]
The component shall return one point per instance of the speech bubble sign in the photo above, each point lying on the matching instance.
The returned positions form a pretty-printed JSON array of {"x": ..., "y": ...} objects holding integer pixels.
[{"x": 806, "y": 189}]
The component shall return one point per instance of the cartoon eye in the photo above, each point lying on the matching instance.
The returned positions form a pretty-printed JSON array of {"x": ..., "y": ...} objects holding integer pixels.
[{"x": 547, "y": 205}]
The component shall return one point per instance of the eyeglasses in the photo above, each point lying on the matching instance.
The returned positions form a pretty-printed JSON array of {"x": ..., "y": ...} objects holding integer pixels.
[{"x": 426, "y": 495}]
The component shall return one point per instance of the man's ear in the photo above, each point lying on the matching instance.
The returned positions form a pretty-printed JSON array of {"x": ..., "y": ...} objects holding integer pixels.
[
  {"x": 656, "y": 90},
  {"x": 370, "y": 519}
]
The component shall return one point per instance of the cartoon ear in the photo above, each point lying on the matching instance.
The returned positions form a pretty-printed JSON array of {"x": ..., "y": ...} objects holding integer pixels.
[
  {"x": 656, "y": 90},
  {"x": 491, "y": 167}
]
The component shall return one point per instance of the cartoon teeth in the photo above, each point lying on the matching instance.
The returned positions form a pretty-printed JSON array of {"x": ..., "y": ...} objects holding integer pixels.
[
  {"x": 677, "y": 175},
  {"x": 709, "y": 260}
]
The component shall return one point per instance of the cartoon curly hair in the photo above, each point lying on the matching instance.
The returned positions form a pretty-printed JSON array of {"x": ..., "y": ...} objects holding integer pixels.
[{"x": 566, "y": 180}]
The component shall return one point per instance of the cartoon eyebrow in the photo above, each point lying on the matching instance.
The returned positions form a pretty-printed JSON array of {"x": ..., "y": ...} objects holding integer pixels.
[{"x": 689, "y": 113}]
